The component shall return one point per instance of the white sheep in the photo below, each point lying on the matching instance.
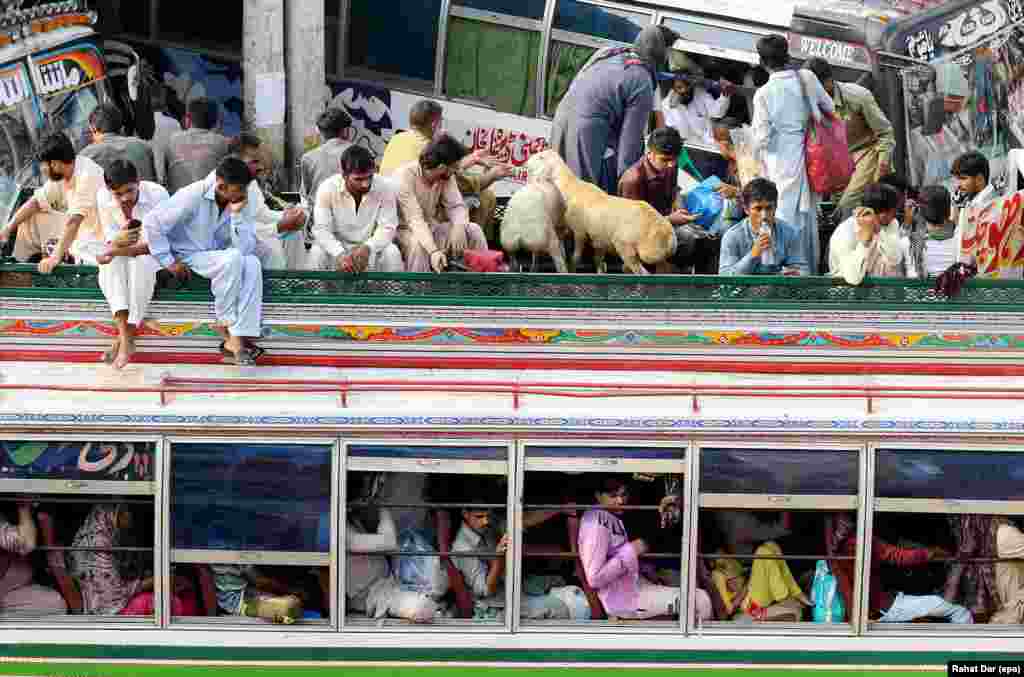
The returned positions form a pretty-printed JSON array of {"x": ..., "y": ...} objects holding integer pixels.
[
  {"x": 534, "y": 221},
  {"x": 632, "y": 229}
]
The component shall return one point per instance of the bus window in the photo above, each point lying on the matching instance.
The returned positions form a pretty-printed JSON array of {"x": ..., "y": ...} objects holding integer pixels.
[
  {"x": 770, "y": 522},
  {"x": 596, "y": 544},
  {"x": 253, "y": 521},
  {"x": 491, "y": 56},
  {"x": 425, "y": 535},
  {"x": 78, "y": 530},
  {"x": 393, "y": 40},
  {"x": 579, "y": 29},
  {"x": 947, "y": 540}
]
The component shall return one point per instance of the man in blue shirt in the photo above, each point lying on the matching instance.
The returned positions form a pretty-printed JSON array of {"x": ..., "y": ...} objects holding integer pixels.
[
  {"x": 206, "y": 228},
  {"x": 760, "y": 245}
]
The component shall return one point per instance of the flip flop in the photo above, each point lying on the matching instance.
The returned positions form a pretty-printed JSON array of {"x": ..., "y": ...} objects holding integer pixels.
[
  {"x": 243, "y": 359},
  {"x": 254, "y": 351}
]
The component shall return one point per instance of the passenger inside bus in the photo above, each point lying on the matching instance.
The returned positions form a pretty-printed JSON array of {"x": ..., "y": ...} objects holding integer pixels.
[
  {"x": 118, "y": 582},
  {"x": 612, "y": 565},
  {"x": 992, "y": 590},
  {"x": 886, "y": 604},
  {"x": 18, "y": 593}
]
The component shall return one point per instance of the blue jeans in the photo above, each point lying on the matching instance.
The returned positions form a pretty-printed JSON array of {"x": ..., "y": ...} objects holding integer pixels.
[{"x": 906, "y": 608}]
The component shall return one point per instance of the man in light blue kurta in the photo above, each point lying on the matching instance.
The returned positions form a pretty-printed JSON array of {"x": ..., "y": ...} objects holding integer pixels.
[
  {"x": 779, "y": 123},
  {"x": 760, "y": 244},
  {"x": 207, "y": 229}
]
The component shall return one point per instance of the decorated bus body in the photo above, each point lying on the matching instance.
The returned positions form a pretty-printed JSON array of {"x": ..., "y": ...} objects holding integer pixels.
[{"x": 788, "y": 402}]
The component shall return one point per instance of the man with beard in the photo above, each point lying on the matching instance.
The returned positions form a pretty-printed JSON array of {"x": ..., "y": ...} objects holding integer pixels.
[
  {"x": 691, "y": 110},
  {"x": 609, "y": 105},
  {"x": 356, "y": 219},
  {"x": 62, "y": 214}
]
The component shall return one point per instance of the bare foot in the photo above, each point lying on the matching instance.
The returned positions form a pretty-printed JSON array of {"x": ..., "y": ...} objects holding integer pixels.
[
  {"x": 124, "y": 355},
  {"x": 110, "y": 354},
  {"x": 152, "y": 325}
]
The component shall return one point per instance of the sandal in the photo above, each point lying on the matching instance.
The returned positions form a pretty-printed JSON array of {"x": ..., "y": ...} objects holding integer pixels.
[
  {"x": 242, "y": 359},
  {"x": 255, "y": 352}
]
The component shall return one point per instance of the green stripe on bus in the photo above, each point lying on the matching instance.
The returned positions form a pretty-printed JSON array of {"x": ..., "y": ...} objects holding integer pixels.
[
  {"x": 114, "y": 670},
  {"x": 267, "y": 654}
]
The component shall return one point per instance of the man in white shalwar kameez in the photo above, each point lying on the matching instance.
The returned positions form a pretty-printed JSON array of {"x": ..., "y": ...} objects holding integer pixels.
[
  {"x": 779, "y": 123},
  {"x": 127, "y": 271},
  {"x": 356, "y": 219},
  {"x": 206, "y": 228}
]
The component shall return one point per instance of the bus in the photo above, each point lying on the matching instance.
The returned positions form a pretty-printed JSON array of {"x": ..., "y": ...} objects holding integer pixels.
[{"x": 757, "y": 406}]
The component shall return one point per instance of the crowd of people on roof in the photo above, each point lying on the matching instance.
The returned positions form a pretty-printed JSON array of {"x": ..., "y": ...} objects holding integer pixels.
[
  {"x": 191, "y": 202},
  {"x": 967, "y": 567}
]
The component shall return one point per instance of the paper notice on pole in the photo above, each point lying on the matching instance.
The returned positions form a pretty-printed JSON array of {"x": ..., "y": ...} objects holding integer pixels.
[{"x": 268, "y": 99}]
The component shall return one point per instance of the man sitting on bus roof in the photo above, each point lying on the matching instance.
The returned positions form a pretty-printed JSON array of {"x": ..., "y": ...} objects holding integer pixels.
[
  {"x": 127, "y": 271},
  {"x": 195, "y": 152},
  {"x": 106, "y": 124},
  {"x": 869, "y": 133},
  {"x": 322, "y": 162},
  {"x": 61, "y": 215},
  {"x": 356, "y": 219},
  {"x": 424, "y": 186},
  {"x": 427, "y": 121},
  {"x": 206, "y": 228},
  {"x": 760, "y": 244},
  {"x": 868, "y": 244},
  {"x": 653, "y": 180},
  {"x": 279, "y": 236}
]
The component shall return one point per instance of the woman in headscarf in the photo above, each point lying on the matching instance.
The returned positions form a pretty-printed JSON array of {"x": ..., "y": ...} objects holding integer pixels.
[{"x": 608, "y": 105}]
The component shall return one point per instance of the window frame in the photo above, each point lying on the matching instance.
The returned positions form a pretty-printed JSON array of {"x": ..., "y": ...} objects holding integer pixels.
[
  {"x": 804, "y": 502},
  {"x": 881, "y": 506},
  {"x": 246, "y": 556},
  {"x": 95, "y": 488},
  {"x": 450, "y": 10},
  {"x": 741, "y": 56},
  {"x": 578, "y": 39},
  {"x": 425, "y": 465},
  {"x": 604, "y": 465}
]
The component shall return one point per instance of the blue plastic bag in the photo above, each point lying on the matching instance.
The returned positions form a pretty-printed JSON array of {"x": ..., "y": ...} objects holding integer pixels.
[
  {"x": 705, "y": 202},
  {"x": 420, "y": 573},
  {"x": 828, "y": 602}
]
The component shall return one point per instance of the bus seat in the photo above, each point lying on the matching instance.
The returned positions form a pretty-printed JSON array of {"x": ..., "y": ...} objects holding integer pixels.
[
  {"x": 58, "y": 568},
  {"x": 207, "y": 589},
  {"x": 445, "y": 536}
]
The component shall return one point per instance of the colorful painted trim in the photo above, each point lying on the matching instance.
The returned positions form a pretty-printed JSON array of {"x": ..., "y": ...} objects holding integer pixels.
[
  {"x": 561, "y": 424},
  {"x": 433, "y": 336}
]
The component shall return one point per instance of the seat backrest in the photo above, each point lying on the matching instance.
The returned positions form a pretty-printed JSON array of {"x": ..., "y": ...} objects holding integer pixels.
[
  {"x": 597, "y": 611},
  {"x": 445, "y": 537},
  {"x": 207, "y": 589},
  {"x": 58, "y": 568}
]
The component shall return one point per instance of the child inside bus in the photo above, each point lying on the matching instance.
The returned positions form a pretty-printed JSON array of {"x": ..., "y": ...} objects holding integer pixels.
[
  {"x": 769, "y": 593},
  {"x": 612, "y": 562}
]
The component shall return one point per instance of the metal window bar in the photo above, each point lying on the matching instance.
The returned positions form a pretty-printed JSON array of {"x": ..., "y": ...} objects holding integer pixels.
[
  {"x": 493, "y": 555},
  {"x": 794, "y": 558},
  {"x": 46, "y": 499},
  {"x": 83, "y": 548},
  {"x": 439, "y": 506},
  {"x": 585, "y": 506}
]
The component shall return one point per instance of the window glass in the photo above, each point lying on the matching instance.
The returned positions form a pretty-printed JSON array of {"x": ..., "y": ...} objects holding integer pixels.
[
  {"x": 397, "y": 37},
  {"x": 595, "y": 545},
  {"x": 778, "y": 471},
  {"x": 717, "y": 36},
  {"x": 102, "y": 461},
  {"x": 494, "y": 64},
  {"x": 531, "y": 9},
  {"x": 254, "y": 522},
  {"x": 915, "y": 578},
  {"x": 564, "y": 62},
  {"x": 762, "y": 566},
  {"x": 425, "y": 545},
  {"x": 607, "y": 23},
  {"x": 950, "y": 475},
  {"x": 77, "y": 529}
]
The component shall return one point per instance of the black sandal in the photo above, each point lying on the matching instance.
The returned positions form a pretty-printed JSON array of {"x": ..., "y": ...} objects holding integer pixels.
[{"x": 255, "y": 353}]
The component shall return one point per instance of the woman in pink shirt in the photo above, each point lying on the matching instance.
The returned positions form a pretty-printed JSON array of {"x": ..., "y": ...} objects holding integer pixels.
[{"x": 612, "y": 562}]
